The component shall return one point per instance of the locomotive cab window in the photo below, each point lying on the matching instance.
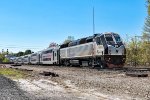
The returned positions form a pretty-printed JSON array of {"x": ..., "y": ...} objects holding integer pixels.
[
  {"x": 108, "y": 37},
  {"x": 98, "y": 41},
  {"x": 117, "y": 38}
]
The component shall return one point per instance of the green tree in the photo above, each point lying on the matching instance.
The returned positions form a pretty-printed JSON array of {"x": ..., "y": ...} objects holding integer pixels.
[
  {"x": 27, "y": 52},
  {"x": 148, "y": 6},
  {"x": 20, "y": 53},
  {"x": 145, "y": 47},
  {"x": 5, "y": 60},
  {"x": 1, "y": 57}
]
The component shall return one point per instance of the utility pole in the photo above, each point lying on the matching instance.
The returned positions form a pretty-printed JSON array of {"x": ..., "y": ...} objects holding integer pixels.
[{"x": 93, "y": 20}]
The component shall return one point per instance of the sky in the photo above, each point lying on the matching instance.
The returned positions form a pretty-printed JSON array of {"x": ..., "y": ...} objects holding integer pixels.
[{"x": 34, "y": 24}]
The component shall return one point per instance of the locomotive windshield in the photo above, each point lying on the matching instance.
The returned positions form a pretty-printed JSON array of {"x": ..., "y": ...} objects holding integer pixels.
[
  {"x": 117, "y": 39},
  {"x": 109, "y": 39}
]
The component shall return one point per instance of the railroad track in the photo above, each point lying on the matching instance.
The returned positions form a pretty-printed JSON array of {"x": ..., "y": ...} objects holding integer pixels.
[
  {"x": 125, "y": 69},
  {"x": 134, "y": 72}
]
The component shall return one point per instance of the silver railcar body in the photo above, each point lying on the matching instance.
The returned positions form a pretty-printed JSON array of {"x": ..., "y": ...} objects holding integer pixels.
[
  {"x": 20, "y": 60},
  {"x": 49, "y": 55},
  {"x": 26, "y": 59},
  {"x": 35, "y": 58}
]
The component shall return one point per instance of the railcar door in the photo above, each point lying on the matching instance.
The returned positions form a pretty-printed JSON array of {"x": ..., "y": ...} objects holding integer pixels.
[{"x": 54, "y": 56}]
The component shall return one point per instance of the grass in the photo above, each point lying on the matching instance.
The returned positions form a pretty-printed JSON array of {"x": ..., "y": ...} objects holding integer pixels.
[{"x": 13, "y": 73}]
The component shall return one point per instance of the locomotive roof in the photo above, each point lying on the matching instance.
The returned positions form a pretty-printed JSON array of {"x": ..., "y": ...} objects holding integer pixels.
[
  {"x": 83, "y": 40},
  {"x": 86, "y": 38}
]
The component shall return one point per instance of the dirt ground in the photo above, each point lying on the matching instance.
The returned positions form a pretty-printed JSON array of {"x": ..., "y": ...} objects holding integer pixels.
[{"x": 76, "y": 83}]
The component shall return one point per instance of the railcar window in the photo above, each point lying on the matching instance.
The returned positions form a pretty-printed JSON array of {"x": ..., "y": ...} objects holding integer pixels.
[
  {"x": 46, "y": 59},
  {"x": 33, "y": 55},
  {"x": 33, "y": 59},
  {"x": 48, "y": 51},
  {"x": 26, "y": 57}
]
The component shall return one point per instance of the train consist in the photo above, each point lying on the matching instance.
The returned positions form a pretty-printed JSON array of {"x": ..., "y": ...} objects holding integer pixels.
[{"x": 103, "y": 50}]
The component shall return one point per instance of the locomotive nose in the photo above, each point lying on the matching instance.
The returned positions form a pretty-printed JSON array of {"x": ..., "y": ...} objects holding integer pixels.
[{"x": 112, "y": 50}]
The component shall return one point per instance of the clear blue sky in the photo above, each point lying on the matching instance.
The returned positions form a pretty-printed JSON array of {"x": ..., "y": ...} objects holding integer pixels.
[{"x": 34, "y": 24}]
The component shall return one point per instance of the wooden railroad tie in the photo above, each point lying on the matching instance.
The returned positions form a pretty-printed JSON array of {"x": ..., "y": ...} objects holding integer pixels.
[
  {"x": 16, "y": 65},
  {"x": 46, "y": 73},
  {"x": 136, "y": 74}
]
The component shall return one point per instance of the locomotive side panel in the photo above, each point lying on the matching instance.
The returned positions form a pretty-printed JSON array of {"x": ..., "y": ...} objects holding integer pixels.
[
  {"x": 84, "y": 50},
  {"x": 79, "y": 51}
]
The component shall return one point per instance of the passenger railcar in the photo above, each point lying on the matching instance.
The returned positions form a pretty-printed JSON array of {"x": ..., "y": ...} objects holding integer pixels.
[
  {"x": 50, "y": 56},
  {"x": 35, "y": 58},
  {"x": 15, "y": 60},
  {"x": 26, "y": 59},
  {"x": 20, "y": 60}
]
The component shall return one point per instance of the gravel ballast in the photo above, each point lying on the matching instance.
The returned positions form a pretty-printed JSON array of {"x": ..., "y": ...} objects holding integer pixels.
[
  {"x": 10, "y": 91},
  {"x": 82, "y": 82}
]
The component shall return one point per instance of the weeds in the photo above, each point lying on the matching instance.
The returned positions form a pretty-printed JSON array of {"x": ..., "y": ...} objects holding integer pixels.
[{"x": 13, "y": 73}]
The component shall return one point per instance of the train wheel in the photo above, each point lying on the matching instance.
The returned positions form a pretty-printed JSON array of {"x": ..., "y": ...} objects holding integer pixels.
[
  {"x": 67, "y": 63},
  {"x": 90, "y": 63},
  {"x": 101, "y": 64}
]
